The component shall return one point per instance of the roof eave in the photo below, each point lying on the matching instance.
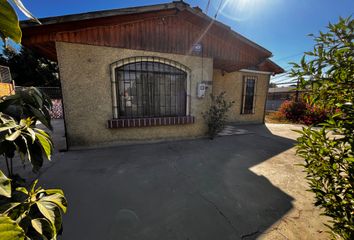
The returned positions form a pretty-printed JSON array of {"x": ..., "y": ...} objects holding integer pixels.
[{"x": 104, "y": 13}]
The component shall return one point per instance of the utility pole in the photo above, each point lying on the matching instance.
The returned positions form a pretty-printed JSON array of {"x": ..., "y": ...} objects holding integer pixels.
[{"x": 297, "y": 91}]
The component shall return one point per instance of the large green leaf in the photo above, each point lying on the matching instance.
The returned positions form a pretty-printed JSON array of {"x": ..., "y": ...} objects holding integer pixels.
[
  {"x": 7, "y": 125},
  {"x": 43, "y": 227},
  {"x": 48, "y": 210},
  {"x": 36, "y": 155},
  {"x": 46, "y": 144},
  {"x": 51, "y": 191},
  {"x": 57, "y": 199},
  {"x": 6, "y": 208},
  {"x": 9, "y": 25},
  {"x": 13, "y": 136},
  {"x": 10, "y": 230},
  {"x": 5, "y": 185}
]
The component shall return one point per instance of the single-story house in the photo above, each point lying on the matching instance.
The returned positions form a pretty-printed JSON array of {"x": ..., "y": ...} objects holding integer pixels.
[
  {"x": 278, "y": 95},
  {"x": 146, "y": 73}
]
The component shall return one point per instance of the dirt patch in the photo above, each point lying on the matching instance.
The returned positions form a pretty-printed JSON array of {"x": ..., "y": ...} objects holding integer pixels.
[{"x": 275, "y": 117}]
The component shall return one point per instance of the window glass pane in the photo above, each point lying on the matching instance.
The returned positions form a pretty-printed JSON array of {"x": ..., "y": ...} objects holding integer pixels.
[
  {"x": 151, "y": 89},
  {"x": 249, "y": 95}
]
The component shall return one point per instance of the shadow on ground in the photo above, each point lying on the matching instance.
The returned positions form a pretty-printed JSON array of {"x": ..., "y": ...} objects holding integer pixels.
[{"x": 195, "y": 189}]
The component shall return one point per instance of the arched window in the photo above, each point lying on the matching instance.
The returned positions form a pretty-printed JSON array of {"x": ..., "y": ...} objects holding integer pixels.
[{"x": 149, "y": 87}]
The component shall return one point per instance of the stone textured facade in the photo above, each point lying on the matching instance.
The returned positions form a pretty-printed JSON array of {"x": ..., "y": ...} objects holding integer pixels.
[
  {"x": 87, "y": 95},
  {"x": 232, "y": 83}
]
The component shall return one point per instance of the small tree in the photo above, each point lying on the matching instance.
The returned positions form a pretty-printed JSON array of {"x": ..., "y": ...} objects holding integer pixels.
[
  {"x": 25, "y": 213},
  {"x": 217, "y": 114},
  {"x": 328, "y": 71}
]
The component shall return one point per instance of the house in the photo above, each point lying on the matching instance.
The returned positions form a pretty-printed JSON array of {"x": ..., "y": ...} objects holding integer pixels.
[{"x": 145, "y": 73}]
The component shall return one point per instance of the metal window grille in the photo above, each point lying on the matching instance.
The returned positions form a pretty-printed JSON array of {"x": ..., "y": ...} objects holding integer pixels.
[
  {"x": 249, "y": 90},
  {"x": 150, "y": 88},
  {"x": 5, "y": 75}
]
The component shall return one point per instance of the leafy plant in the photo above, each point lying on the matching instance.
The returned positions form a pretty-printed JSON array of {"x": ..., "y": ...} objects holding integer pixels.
[
  {"x": 314, "y": 115},
  {"x": 9, "y": 24},
  {"x": 292, "y": 110},
  {"x": 33, "y": 213},
  {"x": 31, "y": 143},
  {"x": 328, "y": 71},
  {"x": 303, "y": 112},
  {"x": 28, "y": 102},
  {"x": 217, "y": 114}
]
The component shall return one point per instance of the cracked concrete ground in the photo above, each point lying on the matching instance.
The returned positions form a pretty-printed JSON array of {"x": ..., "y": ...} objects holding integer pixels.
[{"x": 234, "y": 187}]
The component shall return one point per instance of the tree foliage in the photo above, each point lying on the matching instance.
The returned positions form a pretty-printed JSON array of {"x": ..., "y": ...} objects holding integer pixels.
[
  {"x": 328, "y": 71},
  {"x": 28, "y": 68}
]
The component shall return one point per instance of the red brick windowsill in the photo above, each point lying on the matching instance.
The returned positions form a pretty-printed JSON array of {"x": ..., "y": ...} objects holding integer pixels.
[{"x": 150, "y": 122}]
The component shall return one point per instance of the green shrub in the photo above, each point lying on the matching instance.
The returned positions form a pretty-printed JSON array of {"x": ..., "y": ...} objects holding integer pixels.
[
  {"x": 217, "y": 114},
  {"x": 302, "y": 112},
  {"x": 328, "y": 71},
  {"x": 292, "y": 111},
  {"x": 314, "y": 115}
]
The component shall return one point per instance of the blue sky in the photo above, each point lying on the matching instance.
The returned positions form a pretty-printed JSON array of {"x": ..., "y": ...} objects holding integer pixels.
[{"x": 281, "y": 26}]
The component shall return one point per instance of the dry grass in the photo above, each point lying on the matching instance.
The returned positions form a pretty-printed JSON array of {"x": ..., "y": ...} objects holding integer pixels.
[{"x": 275, "y": 117}]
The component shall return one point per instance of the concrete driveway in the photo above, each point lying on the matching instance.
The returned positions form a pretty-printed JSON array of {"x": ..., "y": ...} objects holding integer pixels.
[{"x": 234, "y": 187}]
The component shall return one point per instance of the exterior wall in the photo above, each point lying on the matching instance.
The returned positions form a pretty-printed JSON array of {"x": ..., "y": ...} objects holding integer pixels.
[
  {"x": 6, "y": 89},
  {"x": 87, "y": 95},
  {"x": 232, "y": 84}
]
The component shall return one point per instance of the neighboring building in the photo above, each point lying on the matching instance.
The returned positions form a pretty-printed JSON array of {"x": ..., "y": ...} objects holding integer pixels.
[
  {"x": 7, "y": 86},
  {"x": 147, "y": 72},
  {"x": 276, "y": 96}
]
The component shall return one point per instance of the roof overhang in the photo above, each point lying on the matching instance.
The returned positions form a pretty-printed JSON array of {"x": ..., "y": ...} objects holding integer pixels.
[{"x": 42, "y": 37}]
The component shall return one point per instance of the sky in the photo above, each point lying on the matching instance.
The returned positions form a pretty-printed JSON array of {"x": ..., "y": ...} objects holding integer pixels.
[{"x": 281, "y": 26}]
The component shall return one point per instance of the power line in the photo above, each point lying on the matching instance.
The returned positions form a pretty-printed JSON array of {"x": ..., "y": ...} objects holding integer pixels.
[
  {"x": 283, "y": 80},
  {"x": 280, "y": 76},
  {"x": 285, "y": 83},
  {"x": 287, "y": 57},
  {"x": 219, "y": 8},
  {"x": 207, "y": 7}
]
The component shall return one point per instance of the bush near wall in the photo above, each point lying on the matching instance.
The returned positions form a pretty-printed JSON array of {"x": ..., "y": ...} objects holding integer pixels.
[{"x": 302, "y": 112}]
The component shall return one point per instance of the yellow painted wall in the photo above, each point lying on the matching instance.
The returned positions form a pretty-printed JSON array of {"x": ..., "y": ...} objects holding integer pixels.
[
  {"x": 232, "y": 84},
  {"x": 86, "y": 85},
  {"x": 6, "y": 89}
]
